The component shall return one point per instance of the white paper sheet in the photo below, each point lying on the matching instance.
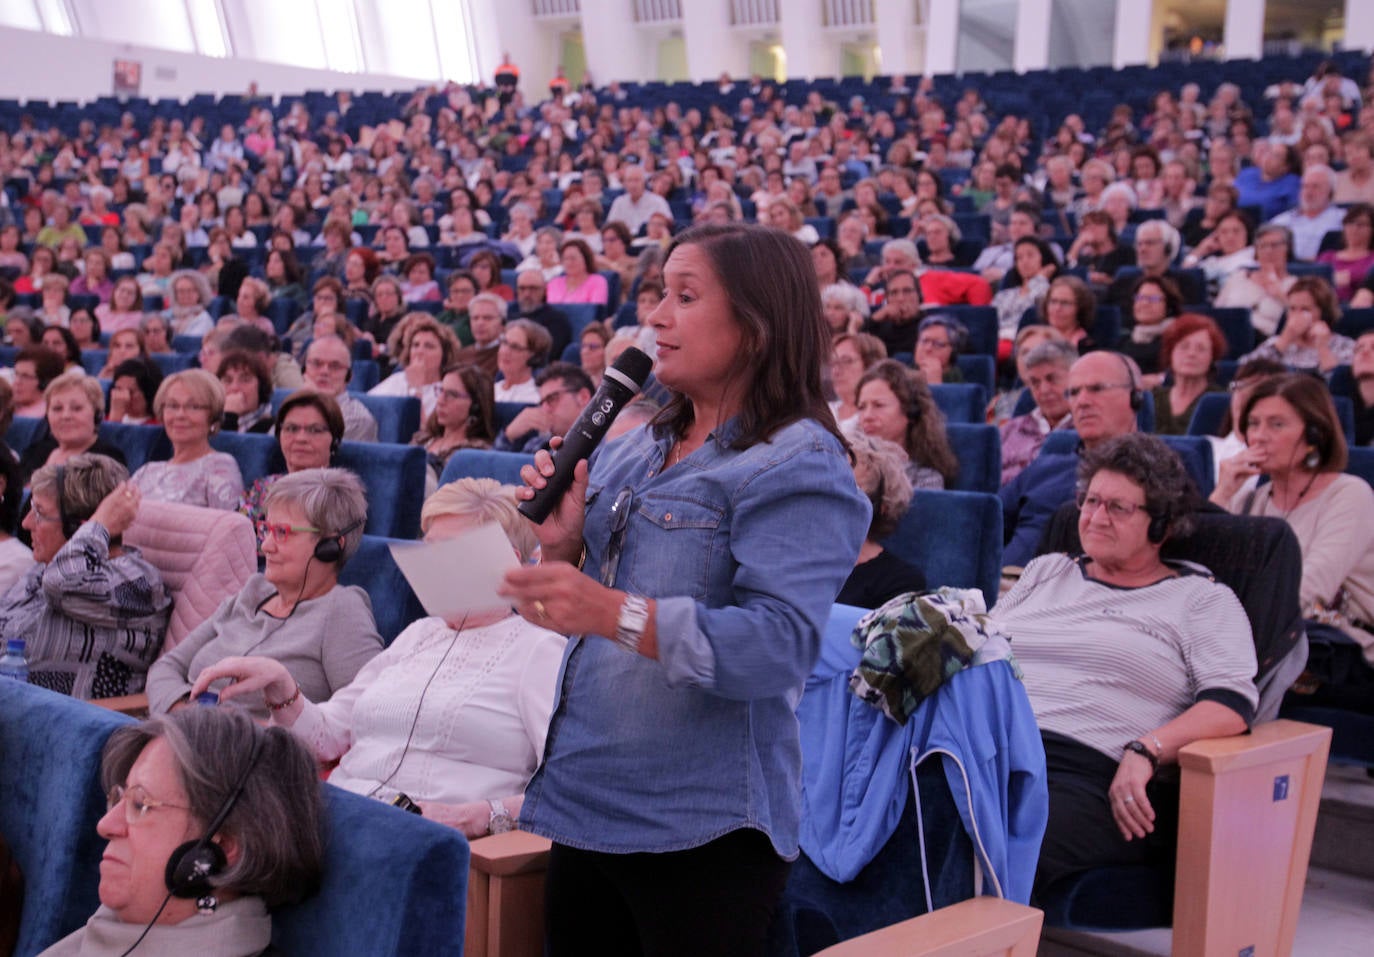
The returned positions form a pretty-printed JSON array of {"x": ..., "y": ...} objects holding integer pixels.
[{"x": 458, "y": 576}]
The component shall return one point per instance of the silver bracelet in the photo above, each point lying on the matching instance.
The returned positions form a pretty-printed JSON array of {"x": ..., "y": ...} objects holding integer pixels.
[{"x": 630, "y": 624}]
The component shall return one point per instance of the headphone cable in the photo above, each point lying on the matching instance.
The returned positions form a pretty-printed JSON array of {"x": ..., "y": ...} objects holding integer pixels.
[{"x": 161, "y": 908}]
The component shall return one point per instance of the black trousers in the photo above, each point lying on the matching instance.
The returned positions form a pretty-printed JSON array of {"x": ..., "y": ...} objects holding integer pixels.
[
  {"x": 717, "y": 899},
  {"x": 1081, "y": 833}
]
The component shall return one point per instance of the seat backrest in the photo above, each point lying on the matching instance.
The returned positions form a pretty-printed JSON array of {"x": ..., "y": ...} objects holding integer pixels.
[
  {"x": 394, "y": 884},
  {"x": 398, "y": 416},
  {"x": 1361, "y": 463},
  {"x": 961, "y": 401},
  {"x": 979, "y": 450},
  {"x": 1235, "y": 326},
  {"x": 204, "y": 554},
  {"x": 954, "y": 538},
  {"x": 394, "y": 605},
  {"x": 981, "y": 323},
  {"x": 505, "y": 413},
  {"x": 139, "y": 443},
  {"x": 484, "y": 463},
  {"x": 395, "y": 479},
  {"x": 979, "y": 370},
  {"x": 170, "y": 362},
  {"x": 1195, "y": 451},
  {"x": 50, "y": 800},
  {"x": 22, "y": 431},
  {"x": 257, "y": 453}
]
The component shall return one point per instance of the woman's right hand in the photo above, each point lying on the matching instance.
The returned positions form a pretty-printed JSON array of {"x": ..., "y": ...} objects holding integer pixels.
[
  {"x": 560, "y": 534},
  {"x": 1233, "y": 473},
  {"x": 247, "y": 675}
]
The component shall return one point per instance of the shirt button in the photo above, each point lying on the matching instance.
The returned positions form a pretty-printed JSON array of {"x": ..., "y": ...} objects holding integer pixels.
[
  {"x": 668, "y": 517},
  {"x": 651, "y": 474}
]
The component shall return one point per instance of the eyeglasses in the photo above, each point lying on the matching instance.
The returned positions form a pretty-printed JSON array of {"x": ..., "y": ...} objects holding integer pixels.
[
  {"x": 905, "y": 291},
  {"x": 512, "y": 344},
  {"x": 548, "y": 400},
  {"x": 939, "y": 344},
  {"x": 136, "y": 802},
  {"x": 620, "y": 517},
  {"x": 1117, "y": 510},
  {"x": 313, "y": 430},
  {"x": 454, "y": 395},
  {"x": 281, "y": 533},
  {"x": 1066, "y": 303},
  {"x": 175, "y": 408},
  {"x": 323, "y": 364},
  {"x": 520, "y": 288},
  {"x": 1275, "y": 244},
  {"x": 38, "y": 514},
  {"x": 1095, "y": 388},
  {"x": 1149, "y": 298}
]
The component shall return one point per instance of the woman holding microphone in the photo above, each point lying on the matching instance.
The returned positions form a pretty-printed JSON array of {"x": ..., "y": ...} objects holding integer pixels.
[{"x": 670, "y": 782}]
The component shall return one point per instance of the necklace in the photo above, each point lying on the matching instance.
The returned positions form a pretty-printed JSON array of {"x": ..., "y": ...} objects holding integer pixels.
[{"x": 1284, "y": 513}]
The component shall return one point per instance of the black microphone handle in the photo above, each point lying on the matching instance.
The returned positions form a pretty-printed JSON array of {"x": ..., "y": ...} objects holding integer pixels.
[{"x": 580, "y": 442}]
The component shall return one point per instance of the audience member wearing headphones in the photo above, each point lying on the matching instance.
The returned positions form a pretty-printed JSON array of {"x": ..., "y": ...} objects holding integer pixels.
[
  {"x": 309, "y": 428},
  {"x": 894, "y": 404},
  {"x": 474, "y": 695},
  {"x": 92, "y": 611},
  {"x": 1126, "y": 658},
  {"x": 212, "y": 821},
  {"x": 878, "y": 575},
  {"x": 190, "y": 405},
  {"x": 295, "y": 611},
  {"x": 1104, "y": 396},
  {"x": 75, "y": 407},
  {"x": 939, "y": 341},
  {"x": 328, "y": 369},
  {"x": 1293, "y": 437}
]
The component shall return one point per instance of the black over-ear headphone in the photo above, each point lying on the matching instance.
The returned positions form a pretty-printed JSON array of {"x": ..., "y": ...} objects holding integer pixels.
[
  {"x": 1315, "y": 438},
  {"x": 69, "y": 523},
  {"x": 331, "y": 549},
  {"x": 192, "y": 864},
  {"x": 1137, "y": 397},
  {"x": 1158, "y": 528}
]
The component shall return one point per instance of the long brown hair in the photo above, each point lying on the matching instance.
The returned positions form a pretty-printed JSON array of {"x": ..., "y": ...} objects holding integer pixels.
[{"x": 776, "y": 300}]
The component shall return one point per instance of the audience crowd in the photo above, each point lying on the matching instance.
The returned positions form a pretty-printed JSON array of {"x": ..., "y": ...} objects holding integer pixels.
[{"x": 486, "y": 260}]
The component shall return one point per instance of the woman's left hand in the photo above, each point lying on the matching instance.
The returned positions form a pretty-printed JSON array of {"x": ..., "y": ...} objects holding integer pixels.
[
  {"x": 472, "y": 818},
  {"x": 560, "y": 598},
  {"x": 1131, "y": 808}
]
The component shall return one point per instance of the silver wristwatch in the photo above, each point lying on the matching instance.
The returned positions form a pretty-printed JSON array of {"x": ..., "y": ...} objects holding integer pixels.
[
  {"x": 629, "y": 626},
  {"x": 501, "y": 821}
]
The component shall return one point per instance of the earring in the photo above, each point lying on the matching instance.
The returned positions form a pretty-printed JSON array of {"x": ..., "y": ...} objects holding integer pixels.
[{"x": 1312, "y": 460}]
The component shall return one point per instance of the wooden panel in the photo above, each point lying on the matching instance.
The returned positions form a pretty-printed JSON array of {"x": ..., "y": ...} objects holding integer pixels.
[
  {"x": 1247, "y": 812},
  {"x": 506, "y": 896},
  {"x": 982, "y": 927}
]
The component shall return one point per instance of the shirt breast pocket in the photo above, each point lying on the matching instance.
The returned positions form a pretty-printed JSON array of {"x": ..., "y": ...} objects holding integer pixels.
[{"x": 673, "y": 547}]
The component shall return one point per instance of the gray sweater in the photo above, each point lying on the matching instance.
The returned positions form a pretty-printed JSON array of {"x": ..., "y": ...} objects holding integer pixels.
[{"x": 322, "y": 643}]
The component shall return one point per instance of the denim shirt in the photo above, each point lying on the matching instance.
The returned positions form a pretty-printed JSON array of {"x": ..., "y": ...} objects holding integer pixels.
[{"x": 745, "y": 552}]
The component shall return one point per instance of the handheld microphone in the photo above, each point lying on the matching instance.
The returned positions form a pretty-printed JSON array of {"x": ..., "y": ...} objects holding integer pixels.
[{"x": 619, "y": 384}]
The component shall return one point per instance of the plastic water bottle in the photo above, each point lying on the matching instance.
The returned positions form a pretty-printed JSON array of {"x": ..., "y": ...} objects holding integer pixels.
[{"x": 13, "y": 664}]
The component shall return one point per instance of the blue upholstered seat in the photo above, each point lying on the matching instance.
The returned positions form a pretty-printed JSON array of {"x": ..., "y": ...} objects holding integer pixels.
[
  {"x": 22, "y": 432},
  {"x": 979, "y": 450},
  {"x": 484, "y": 463},
  {"x": 139, "y": 443},
  {"x": 1195, "y": 451},
  {"x": 395, "y": 479},
  {"x": 394, "y": 605},
  {"x": 954, "y": 538},
  {"x": 50, "y": 800},
  {"x": 398, "y": 417},
  {"x": 961, "y": 401}
]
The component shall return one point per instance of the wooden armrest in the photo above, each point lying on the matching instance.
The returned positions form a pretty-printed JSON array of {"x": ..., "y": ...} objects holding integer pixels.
[
  {"x": 515, "y": 852},
  {"x": 1278, "y": 740},
  {"x": 130, "y": 704},
  {"x": 981, "y": 927}
]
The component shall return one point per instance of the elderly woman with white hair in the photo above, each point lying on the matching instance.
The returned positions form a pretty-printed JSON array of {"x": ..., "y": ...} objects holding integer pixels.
[
  {"x": 322, "y": 633},
  {"x": 845, "y": 308},
  {"x": 879, "y": 575},
  {"x": 473, "y": 693}
]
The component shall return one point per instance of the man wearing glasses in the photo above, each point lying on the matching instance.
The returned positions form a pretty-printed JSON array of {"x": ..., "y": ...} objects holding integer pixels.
[
  {"x": 328, "y": 367},
  {"x": 530, "y": 304},
  {"x": 1103, "y": 394},
  {"x": 564, "y": 389}
]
